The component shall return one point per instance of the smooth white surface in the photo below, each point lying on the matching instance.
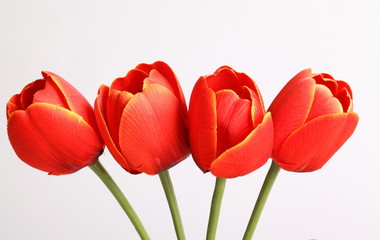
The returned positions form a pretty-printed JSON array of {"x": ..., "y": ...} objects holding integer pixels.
[{"x": 92, "y": 42}]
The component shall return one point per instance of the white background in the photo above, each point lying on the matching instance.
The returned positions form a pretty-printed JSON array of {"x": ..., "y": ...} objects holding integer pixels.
[{"x": 93, "y": 42}]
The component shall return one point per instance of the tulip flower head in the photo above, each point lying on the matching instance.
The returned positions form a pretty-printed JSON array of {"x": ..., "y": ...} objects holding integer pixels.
[
  {"x": 312, "y": 118},
  {"x": 230, "y": 134},
  {"x": 143, "y": 119},
  {"x": 52, "y": 127}
]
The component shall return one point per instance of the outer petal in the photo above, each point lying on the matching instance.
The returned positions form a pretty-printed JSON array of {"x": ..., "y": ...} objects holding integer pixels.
[
  {"x": 75, "y": 100},
  {"x": 291, "y": 107},
  {"x": 313, "y": 144},
  {"x": 153, "y": 133},
  {"x": 248, "y": 155},
  {"x": 117, "y": 100},
  {"x": 202, "y": 125},
  {"x": 53, "y": 139},
  {"x": 100, "y": 113}
]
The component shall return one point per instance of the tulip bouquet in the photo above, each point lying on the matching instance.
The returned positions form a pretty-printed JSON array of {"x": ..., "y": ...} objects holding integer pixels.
[{"x": 227, "y": 129}]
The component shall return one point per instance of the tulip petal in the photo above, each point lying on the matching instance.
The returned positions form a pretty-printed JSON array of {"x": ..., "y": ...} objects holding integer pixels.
[
  {"x": 326, "y": 80},
  {"x": 13, "y": 104},
  {"x": 344, "y": 85},
  {"x": 225, "y": 78},
  {"x": 132, "y": 82},
  {"x": 75, "y": 100},
  {"x": 345, "y": 97},
  {"x": 153, "y": 131},
  {"x": 168, "y": 73},
  {"x": 324, "y": 103},
  {"x": 202, "y": 125},
  {"x": 257, "y": 110},
  {"x": 117, "y": 100},
  {"x": 248, "y": 82},
  {"x": 248, "y": 155},
  {"x": 100, "y": 113},
  {"x": 51, "y": 94},
  {"x": 155, "y": 77},
  {"x": 27, "y": 93},
  {"x": 234, "y": 119},
  {"x": 291, "y": 107},
  {"x": 53, "y": 139},
  {"x": 312, "y": 145}
]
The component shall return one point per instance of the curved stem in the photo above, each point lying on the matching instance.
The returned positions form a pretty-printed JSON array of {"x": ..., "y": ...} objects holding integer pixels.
[
  {"x": 220, "y": 185},
  {"x": 173, "y": 205},
  {"x": 122, "y": 200},
  {"x": 261, "y": 200}
]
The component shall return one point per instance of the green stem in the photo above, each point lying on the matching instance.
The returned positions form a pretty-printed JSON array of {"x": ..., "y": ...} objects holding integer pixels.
[
  {"x": 122, "y": 200},
  {"x": 173, "y": 205},
  {"x": 220, "y": 185},
  {"x": 261, "y": 200}
]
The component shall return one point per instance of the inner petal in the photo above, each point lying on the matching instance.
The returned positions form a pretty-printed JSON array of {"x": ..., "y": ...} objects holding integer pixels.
[
  {"x": 234, "y": 120},
  {"x": 344, "y": 95},
  {"x": 50, "y": 94},
  {"x": 224, "y": 78},
  {"x": 257, "y": 108},
  {"x": 327, "y": 80},
  {"x": 156, "y": 77},
  {"x": 27, "y": 94},
  {"x": 324, "y": 103},
  {"x": 132, "y": 82}
]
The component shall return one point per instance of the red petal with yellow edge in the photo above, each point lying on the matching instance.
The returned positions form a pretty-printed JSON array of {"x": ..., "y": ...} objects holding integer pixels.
[
  {"x": 324, "y": 103},
  {"x": 248, "y": 155},
  {"x": 155, "y": 77},
  {"x": 247, "y": 81},
  {"x": 313, "y": 144},
  {"x": 225, "y": 78},
  {"x": 223, "y": 67},
  {"x": 168, "y": 73},
  {"x": 53, "y": 139},
  {"x": 345, "y": 99},
  {"x": 291, "y": 107},
  {"x": 344, "y": 85},
  {"x": 100, "y": 112},
  {"x": 257, "y": 110},
  {"x": 153, "y": 133},
  {"x": 117, "y": 100},
  {"x": 13, "y": 104},
  {"x": 202, "y": 125},
  {"x": 27, "y": 93},
  {"x": 132, "y": 82},
  {"x": 75, "y": 100},
  {"x": 50, "y": 94},
  {"x": 326, "y": 80},
  {"x": 234, "y": 119}
]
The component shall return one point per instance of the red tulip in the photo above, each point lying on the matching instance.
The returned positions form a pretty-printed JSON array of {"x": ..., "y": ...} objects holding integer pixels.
[
  {"x": 143, "y": 119},
  {"x": 230, "y": 134},
  {"x": 312, "y": 118},
  {"x": 52, "y": 127}
]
